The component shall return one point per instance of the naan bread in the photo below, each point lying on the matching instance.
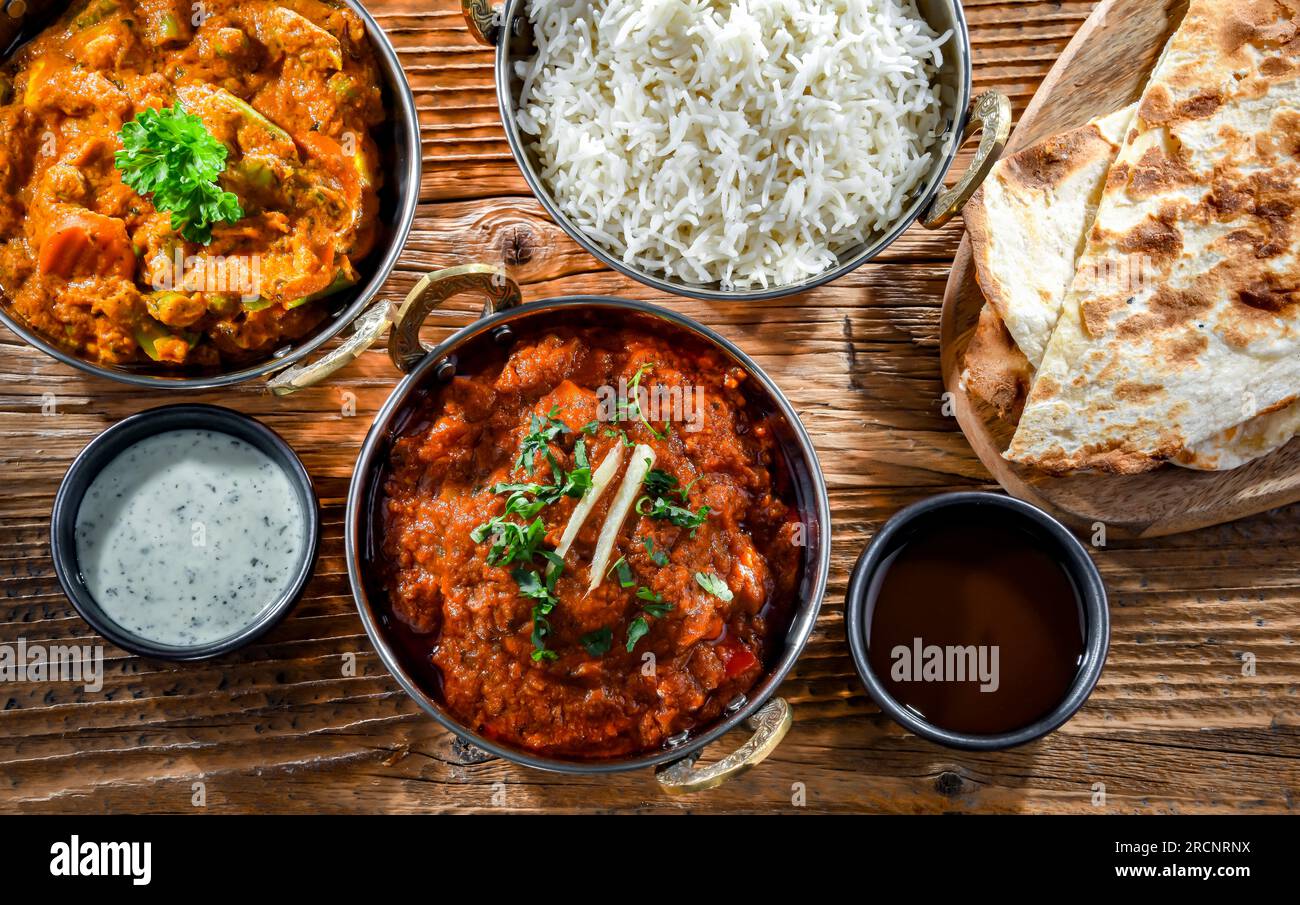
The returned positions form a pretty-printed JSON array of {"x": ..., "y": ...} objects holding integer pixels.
[
  {"x": 1200, "y": 220},
  {"x": 998, "y": 373},
  {"x": 1027, "y": 226},
  {"x": 1246, "y": 442},
  {"x": 1028, "y": 222},
  {"x": 995, "y": 368}
]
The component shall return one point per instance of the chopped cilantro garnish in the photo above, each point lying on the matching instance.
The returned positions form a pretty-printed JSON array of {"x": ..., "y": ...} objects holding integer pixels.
[
  {"x": 636, "y": 631},
  {"x": 631, "y": 410},
  {"x": 714, "y": 585},
  {"x": 511, "y": 541},
  {"x": 654, "y": 606},
  {"x": 659, "y": 485},
  {"x": 644, "y": 593},
  {"x": 685, "y": 492},
  {"x": 521, "y": 542},
  {"x": 624, "y": 572},
  {"x": 658, "y": 557},
  {"x": 540, "y": 586},
  {"x": 659, "y": 482},
  {"x": 542, "y": 431},
  {"x": 621, "y": 434},
  {"x": 578, "y": 481},
  {"x": 659, "y": 508},
  {"x": 598, "y": 642}
]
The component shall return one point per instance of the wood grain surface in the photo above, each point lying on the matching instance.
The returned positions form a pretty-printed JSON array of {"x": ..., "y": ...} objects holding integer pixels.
[{"x": 1198, "y": 709}]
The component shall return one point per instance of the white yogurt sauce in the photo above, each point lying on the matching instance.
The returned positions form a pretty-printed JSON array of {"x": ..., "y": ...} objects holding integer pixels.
[{"x": 188, "y": 535}]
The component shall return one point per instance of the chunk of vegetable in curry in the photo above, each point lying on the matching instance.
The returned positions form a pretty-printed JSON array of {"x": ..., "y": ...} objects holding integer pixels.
[{"x": 214, "y": 270}]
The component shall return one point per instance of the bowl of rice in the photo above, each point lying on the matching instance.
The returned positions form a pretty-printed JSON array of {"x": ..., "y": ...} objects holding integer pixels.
[{"x": 739, "y": 149}]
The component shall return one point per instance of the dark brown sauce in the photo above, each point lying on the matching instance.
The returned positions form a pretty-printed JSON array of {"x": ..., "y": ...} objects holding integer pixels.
[{"x": 993, "y": 608}]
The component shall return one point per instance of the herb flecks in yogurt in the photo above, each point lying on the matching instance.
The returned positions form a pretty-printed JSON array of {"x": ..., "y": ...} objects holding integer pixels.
[{"x": 188, "y": 536}]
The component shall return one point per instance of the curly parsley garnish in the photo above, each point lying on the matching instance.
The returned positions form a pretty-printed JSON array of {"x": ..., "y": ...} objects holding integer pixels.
[{"x": 171, "y": 155}]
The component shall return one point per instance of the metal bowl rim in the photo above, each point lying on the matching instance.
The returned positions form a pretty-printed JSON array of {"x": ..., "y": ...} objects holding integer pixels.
[
  {"x": 796, "y": 638},
  {"x": 404, "y": 107},
  {"x": 923, "y": 196}
]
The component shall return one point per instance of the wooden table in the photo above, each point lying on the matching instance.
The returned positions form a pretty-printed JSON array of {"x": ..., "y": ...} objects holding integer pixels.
[{"x": 1177, "y": 723}]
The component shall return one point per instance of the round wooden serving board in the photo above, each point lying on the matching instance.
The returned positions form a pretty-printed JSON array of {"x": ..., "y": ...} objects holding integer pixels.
[{"x": 1104, "y": 68}]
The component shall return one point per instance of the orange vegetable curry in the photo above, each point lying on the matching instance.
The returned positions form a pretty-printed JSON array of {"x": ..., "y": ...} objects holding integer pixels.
[
  {"x": 290, "y": 88},
  {"x": 558, "y": 650}
]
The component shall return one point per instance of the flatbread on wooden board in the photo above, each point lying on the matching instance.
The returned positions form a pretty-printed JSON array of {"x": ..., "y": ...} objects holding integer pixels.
[
  {"x": 1243, "y": 443},
  {"x": 1044, "y": 199},
  {"x": 1027, "y": 225},
  {"x": 996, "y": 371},
  {"x": 1204, "y": 198}
]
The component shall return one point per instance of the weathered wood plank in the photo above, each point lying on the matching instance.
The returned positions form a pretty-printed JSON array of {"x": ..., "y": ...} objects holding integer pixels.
[{"x": 1174, "y": 724}]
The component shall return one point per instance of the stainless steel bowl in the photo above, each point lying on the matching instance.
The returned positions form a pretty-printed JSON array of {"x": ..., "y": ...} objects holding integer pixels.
[
  {"x": 507, "y": 29},
  {"x": 400, "y": 156},
  {"x": 768, "y": 717}
]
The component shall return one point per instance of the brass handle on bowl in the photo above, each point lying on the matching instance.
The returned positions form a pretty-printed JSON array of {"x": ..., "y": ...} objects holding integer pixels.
[
  {"x": 482, "y": 20},
  {"x": 499, "y": 291},
  {"x": 365, "y": 330},
  {"x": 990, "y": 112},
  {"x": 404, "y": 346},
  {"x": 770, "y": 724}
]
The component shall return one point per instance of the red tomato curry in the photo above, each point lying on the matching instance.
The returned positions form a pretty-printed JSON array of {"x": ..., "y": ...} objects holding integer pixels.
[
  {"x": 527, "y": 644},
  {"x": 290, "y": 88}
]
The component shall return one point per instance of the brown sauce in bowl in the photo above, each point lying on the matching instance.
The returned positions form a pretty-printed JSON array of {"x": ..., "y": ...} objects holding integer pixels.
[
  {"x": 974, "y": 625},
  {"x": 699, "y": 587}
]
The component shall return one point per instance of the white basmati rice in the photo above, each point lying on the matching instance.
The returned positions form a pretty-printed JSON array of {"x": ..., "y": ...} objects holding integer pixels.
[{"x": 740, "y": 142}]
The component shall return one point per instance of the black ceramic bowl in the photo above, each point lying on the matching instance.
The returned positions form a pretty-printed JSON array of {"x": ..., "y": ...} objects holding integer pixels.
[
  {"x": 1056, "y": 537},
  {"x": 104, "y": 448}
]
